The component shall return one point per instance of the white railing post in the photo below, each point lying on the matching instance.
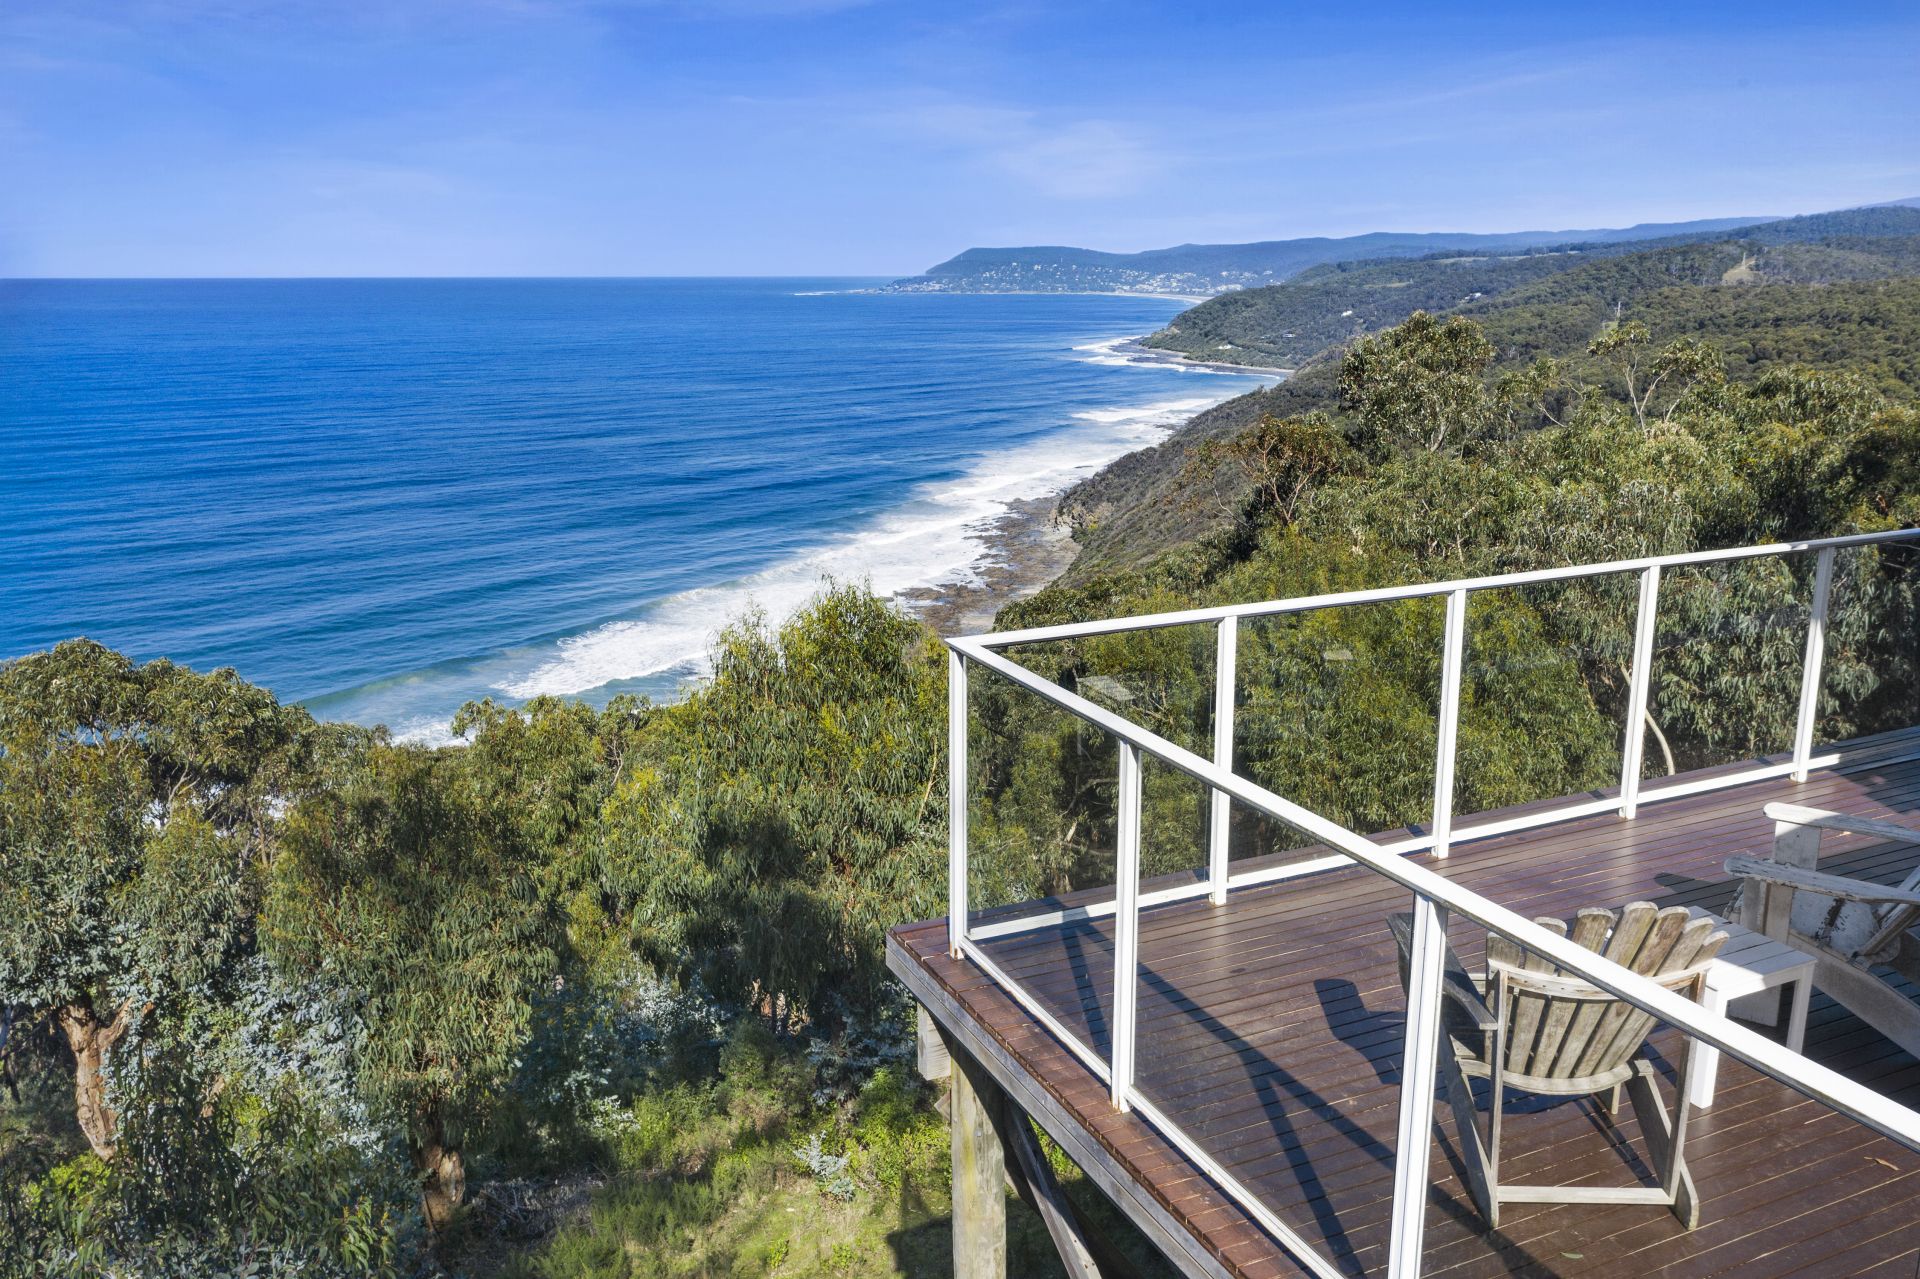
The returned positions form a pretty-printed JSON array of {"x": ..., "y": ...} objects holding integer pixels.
[
  {"x": 1810, "y": 668},
  {"x": 1452, "y": 653},
  {"x": 1126, "y": 926},
  {"x": 1418, "y": 1071},
  {"x": 1639, "y": 678},
  {"x": 1225, "y": 661},
  {"x": 956, "y": 801}
]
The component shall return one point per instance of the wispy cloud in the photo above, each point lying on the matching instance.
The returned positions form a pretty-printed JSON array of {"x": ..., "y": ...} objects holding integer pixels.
[
  {"x": 357, "y": 181},
  {"x": 1085, "y": 160},
  {"x": 1064, "y": 159}
]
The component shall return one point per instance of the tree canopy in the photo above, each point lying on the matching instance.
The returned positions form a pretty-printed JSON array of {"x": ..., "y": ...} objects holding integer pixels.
[
  {"x": 401, "y": 885},
  {"x": 137, "y": 816}
]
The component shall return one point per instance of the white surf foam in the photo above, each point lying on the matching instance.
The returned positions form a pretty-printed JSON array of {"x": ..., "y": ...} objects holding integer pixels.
[
  {"x": 1150, "y": 414},
  {"x": 934, "y": 538},
  {"x": 426, "y": 732},
  {"x": 1109, "y": 352}
]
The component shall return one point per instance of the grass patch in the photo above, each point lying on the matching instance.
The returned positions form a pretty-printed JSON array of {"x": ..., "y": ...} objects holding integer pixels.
[{"x": 744, "y": 1178}]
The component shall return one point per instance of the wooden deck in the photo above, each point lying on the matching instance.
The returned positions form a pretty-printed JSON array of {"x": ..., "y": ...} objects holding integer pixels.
[{"x": 1270, "y": 1029}]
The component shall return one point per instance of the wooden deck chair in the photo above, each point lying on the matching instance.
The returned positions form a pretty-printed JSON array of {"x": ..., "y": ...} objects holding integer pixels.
[
  {"x": 1529, "y": 1026},
  {"x": 1849, "y": 926}
]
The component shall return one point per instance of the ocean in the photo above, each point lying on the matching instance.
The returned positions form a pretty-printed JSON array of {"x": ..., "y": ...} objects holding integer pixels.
[{"x": 383, "y": 498}]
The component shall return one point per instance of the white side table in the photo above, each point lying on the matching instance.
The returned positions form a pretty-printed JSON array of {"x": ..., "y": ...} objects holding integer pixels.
[{"x": 1747, "y": 971}]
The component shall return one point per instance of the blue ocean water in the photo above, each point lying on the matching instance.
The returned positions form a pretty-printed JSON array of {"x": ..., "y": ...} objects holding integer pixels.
[{"x": 385, "y": 497}]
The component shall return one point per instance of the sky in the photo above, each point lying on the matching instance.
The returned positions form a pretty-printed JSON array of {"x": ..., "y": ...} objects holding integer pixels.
[{"x": 833, "y": 137}]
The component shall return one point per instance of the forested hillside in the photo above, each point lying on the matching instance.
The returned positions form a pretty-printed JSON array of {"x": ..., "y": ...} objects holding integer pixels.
[
  {"x": 1285, "y": 325},
  {"x": 599, "y": 993},
  {"x": 1205, "y": 269},
  {"x": 1824, "y": 297}
]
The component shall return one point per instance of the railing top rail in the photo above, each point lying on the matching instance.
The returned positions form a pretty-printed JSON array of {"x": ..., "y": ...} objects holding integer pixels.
[
  {"x": 1871, "y": 1108},
  {"x": 1384, "y": 594}
]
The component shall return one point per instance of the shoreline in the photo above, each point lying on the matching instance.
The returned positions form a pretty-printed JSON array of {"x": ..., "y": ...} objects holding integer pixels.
[
  {"x": 1027, "y": 547},
  {"x": 1153, "y": 355},
  {"x": 1014, "y": 544},
  {"x": 1023, "y": 551}
]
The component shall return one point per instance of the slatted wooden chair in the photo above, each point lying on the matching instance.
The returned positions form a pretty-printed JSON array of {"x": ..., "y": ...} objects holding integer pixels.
[
  {"x": 1849, "y": 926},
  {"x": 1530, "y": 1026}
]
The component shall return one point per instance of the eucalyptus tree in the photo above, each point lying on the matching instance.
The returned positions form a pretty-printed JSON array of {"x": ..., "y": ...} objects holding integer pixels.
[
  {"x": 1419, "y": 385},
  {"x": 550, "y": 766},
  {"x": 137, "y": 811},
  {"x": 1281, "y": 460},
  {"x": 401, "y": 886},
  {"x": 789, "y": 811},
  {"x": 1679, "y": 366}
]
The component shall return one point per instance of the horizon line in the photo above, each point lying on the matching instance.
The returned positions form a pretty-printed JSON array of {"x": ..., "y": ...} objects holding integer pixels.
[
  {"x": 1738, "y": 219},
  {"x": 451, "y": 279}
]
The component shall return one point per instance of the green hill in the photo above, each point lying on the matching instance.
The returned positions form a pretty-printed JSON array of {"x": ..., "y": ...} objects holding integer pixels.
[
  {"x": 1837, "y": 301},
  {"x": 1214, "y": 268},
  {"x": 1285, "y": 325}
]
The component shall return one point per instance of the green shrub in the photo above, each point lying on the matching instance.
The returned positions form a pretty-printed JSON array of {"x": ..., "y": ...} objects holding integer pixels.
[{"x": 903, "y": 1141}]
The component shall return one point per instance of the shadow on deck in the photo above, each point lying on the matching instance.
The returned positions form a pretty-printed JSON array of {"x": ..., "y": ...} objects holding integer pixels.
[{"x": 1271, "y": 1030}]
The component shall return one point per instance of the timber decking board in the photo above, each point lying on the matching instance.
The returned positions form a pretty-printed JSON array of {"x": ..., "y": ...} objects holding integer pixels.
[{"x": 1269, "y": 1029}]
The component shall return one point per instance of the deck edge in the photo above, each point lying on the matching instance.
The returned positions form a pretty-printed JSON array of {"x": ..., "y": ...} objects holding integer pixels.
[{"x": 1174, "y": 1240}]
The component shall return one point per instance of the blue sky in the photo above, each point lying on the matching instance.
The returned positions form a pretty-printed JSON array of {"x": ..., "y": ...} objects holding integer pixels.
[{"x": 458, "y": 137}]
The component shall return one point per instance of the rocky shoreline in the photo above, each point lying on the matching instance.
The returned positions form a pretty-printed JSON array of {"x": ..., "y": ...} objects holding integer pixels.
[
  {"x": 1024, "y": 551},
  {"x": 1140, "y": 353}
]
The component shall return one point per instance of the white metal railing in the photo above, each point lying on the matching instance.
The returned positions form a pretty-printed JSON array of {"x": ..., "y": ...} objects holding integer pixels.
[
  {"x": 1435, "y": 897},
  {"x": 1441, "y": 832}
]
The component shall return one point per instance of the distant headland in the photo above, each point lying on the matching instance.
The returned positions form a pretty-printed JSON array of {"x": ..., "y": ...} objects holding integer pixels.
[{"x": 1205, "y": 270}]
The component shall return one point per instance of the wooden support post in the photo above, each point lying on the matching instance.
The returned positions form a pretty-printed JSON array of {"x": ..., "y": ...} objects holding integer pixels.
[
  {"x": 979, "y": 1175},
  {"x": 994, "y": 1149},
  {"x": 934, "y": 1059}
]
